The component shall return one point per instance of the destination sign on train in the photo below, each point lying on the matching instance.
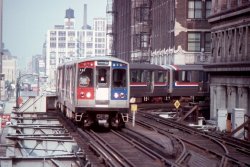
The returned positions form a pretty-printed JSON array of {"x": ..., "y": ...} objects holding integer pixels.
[{"x": 102, "y": 63}]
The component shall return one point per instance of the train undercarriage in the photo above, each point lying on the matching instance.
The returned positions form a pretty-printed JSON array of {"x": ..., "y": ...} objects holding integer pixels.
[
  {"x": 87, "y": 119},
  {"x": 170, "y": 99}
]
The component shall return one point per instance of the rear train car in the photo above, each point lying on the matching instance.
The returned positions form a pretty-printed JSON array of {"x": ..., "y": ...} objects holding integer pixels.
[
  {"x": 187, "y": 81},
  {"x": 94, "y": 91},
  {"x": 166, "y": 83}
]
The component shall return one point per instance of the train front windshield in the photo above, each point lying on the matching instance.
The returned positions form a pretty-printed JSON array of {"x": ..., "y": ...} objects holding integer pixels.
[
  {"x": 85, "y": 77},
  {"x": 119, "y": 78}
]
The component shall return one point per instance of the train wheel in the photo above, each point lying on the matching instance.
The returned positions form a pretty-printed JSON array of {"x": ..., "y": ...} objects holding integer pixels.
[
  {"x": 117, "y": 122},
  {"x": 87, "y": 121},
  {"x": 114, "y": 120}
]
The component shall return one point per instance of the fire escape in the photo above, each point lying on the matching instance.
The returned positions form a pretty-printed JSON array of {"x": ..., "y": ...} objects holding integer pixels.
[{"x": 141, "y": 26}]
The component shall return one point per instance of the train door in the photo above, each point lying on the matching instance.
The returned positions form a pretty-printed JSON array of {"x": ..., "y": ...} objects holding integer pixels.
[
  {"x": 102, "y": 85},
  {"x": 149, "y": 79}
]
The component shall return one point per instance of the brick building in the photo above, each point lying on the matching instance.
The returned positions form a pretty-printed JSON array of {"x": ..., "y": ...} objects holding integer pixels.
[{"x": 161, "y": 31}]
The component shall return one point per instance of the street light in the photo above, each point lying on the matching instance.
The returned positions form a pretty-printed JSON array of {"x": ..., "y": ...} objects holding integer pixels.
[{"x": 18, "y": 86}]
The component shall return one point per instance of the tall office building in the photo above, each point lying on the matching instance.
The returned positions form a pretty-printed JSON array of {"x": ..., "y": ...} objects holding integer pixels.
[
  {"x": 65, "y": 43},
  {"x": 100, "y": 36}
]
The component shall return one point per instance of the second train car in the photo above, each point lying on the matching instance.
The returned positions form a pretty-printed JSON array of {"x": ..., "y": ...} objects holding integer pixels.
[
  {"x": 94, "y": 91},
  {"x": 154, "y": 83}
]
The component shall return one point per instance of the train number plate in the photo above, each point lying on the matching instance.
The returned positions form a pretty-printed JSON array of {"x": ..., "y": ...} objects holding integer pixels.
[{"x": 102, "y": 121}]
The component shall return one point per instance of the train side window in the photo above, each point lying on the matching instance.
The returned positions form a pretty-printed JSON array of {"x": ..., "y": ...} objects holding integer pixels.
[
  {"x": 85, "y": 77},
  {"x": 185, "y": 76},
  {"x": 161, "y": 77},
  {"x": 119, "y": 78},
  {"x": 133, "y": 76},
  {"x": 67, "y": 82},
  {"x": 196, "y": 76},
  {"x": 136, "y": 76},
  {"x": 176, "y": 75},
  {"x": 203, "y": 77},
  {"x": 147, "y": 76},
  {"x": 140, "y": 76}
]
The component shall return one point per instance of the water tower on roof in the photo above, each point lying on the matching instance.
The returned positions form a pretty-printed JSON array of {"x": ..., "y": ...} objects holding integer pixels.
[{"x": 69, "y": 20}]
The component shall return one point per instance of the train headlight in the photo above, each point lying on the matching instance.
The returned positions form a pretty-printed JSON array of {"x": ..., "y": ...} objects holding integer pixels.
[
  {"x": 82, "y": 94},
  {"x": 122, "y": 95},
  {"x": 88, "y": 95},
  {"x": 116, "y": 95}
]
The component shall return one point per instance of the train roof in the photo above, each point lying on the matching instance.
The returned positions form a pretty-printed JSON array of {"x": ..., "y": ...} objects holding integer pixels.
[
  {"x": 145, "y": 66},
  {"x": 94, "y": 58},
  {"x": 197, "y": 67}
]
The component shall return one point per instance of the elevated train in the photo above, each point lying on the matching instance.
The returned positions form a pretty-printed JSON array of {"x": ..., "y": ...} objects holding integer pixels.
[
  {"x": 94, "y": 90},
  {"x": 99, "y": 89},
  {"x": 150, "y": 83}
]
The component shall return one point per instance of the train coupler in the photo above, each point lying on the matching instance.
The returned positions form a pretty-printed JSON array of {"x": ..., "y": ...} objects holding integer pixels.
[
  {"x": 78, "y": 117},
  {"x": 124, "y": 117}
]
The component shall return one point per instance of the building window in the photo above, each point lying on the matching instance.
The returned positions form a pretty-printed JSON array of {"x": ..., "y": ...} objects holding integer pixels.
[
  {"x": 71, "y": 33},
  {"x": 62, "y": 38},
  {"x": 207, "y": 42},
  {"x": 62, "y": 33},
  {"x": 52, "y": 38},
  {"x": 52, "y": 45},
  {"x": 194, "y": 41},
  {"x": 61, "y": 45},
  {"x": 52, "y": 33},
  {"x": 194, "y": 9},
  {"x": 208, "y": 8},
  {"x": 52, "y": 61},
  {"x": 71, "y": 45},
  {"x": 89, "y": 45},
  {"x": 53, "y": 55},
  {"x": 89, "y": 33}
]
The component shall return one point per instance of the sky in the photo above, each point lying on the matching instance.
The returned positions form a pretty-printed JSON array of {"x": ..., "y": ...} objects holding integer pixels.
[{"x": 25, "y": 22}]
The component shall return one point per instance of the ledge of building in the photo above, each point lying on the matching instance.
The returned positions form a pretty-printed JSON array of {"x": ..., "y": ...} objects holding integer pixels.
[{"x": 242, "y": 67}]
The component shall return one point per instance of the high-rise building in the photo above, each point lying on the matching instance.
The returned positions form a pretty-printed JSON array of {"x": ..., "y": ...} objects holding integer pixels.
[
  {"x": 65, "y": 43},
  {"x": 38, "y": 65},
  {"x": 99, "y": 36}
]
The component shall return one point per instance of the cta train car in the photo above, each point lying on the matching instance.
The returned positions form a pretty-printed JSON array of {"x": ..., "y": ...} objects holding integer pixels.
[
  {"x": 148, "y": 82},
  {"x": 187, "y": 81},
  {"x": 94, "y": 91},
  {"x": 154, "y": 83}
]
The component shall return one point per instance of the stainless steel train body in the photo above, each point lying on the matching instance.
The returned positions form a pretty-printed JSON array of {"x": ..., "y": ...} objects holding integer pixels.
[
  {"x": 151, "y": 83},
  {"x": 94, "y": 90},
  {"x": 148, "y": 82},
  {"x": 187, "y": 81}
]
